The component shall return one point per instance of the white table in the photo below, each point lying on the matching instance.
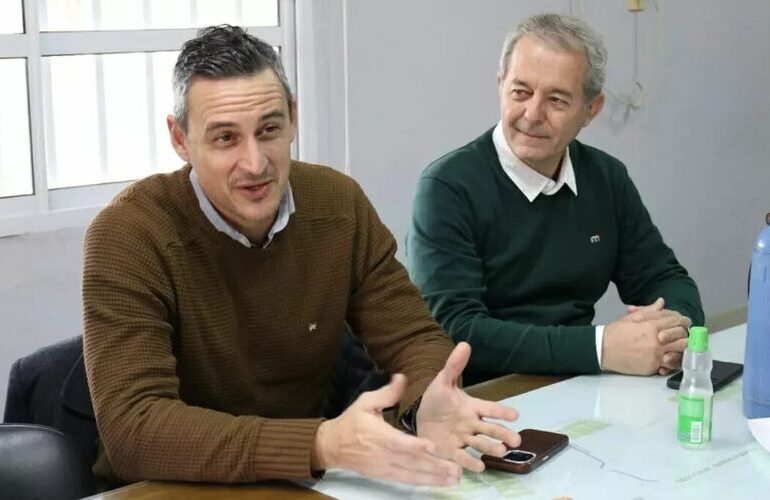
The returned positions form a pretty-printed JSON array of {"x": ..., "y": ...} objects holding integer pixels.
[{"x": 622, "y": 445}]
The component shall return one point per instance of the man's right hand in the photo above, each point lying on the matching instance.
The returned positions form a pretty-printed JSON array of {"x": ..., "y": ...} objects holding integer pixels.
[
  {"x": 650, "y": 339},
  {"x": 361, "y": 441}
]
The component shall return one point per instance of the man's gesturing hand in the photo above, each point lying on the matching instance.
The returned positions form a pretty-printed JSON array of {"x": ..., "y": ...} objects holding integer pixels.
[
  {"x": 360, "y": 440},
  {"x": 452, "y": 419}
]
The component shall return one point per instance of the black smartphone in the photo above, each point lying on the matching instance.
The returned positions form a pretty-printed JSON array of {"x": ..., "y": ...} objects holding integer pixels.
[
  {"x": 536, "y": 447},
  {"x": 722, "y": 373}
]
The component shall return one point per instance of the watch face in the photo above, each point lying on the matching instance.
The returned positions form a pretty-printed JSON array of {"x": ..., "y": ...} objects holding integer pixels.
[{"x": 409, "y": 418}]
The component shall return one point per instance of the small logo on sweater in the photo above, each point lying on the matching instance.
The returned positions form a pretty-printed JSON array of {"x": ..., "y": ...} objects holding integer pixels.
[
  {"x": 311, "y": 327},
  {"x": 595, "y": 238}
]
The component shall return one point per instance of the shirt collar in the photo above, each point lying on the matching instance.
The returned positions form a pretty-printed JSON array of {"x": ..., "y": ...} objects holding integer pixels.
[
  {"x": 285, "y": 208},
  {"x": 529, "y": 181}
]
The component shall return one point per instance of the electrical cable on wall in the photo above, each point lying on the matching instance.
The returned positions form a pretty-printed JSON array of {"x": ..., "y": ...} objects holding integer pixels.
[{"x": 634, "y": 98}]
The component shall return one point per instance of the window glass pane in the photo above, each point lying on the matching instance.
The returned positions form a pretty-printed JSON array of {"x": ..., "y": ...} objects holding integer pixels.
[
  {"x": 126, "y": 117},
  {"x": 72, "y": 121},
  {"x": 166, "y": 158},
  {"x": 108, "y": 116},
  {"x": 77, "y": 15},
  {"x": 15, "y": 160},
  {"x": 10, "y": 16}
]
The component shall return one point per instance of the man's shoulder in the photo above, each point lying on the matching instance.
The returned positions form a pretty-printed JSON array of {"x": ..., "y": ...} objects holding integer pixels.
[
  {"x": 471, "y": 159},
  {"x": 321, "y": 191},
  {"x": 154, "y": 204},
  {"x": 585, "y": 157}
]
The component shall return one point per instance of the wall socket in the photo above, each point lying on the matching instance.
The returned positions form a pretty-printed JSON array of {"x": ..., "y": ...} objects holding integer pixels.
[{"x": 635, "y": 5}]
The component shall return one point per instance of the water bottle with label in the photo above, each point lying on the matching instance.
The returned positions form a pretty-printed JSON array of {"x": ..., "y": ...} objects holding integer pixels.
[{"x": 696, "y": 393}]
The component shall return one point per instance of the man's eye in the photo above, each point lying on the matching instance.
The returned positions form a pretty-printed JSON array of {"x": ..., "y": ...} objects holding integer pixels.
[
  {"x": 269, "y": 130},
  {"x": 224, "y": 139}
]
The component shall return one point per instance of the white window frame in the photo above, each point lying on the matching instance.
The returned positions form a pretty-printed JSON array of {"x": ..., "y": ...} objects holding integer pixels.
[{"x": 51, "y": 209}]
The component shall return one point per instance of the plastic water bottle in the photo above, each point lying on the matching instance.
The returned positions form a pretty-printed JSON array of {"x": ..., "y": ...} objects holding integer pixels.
[
  {"x": 696, "y": 393},
  {"x": 756, "y": 374}
]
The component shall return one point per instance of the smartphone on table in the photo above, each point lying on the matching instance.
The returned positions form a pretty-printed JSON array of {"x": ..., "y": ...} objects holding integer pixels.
[
  {"x": 535, "y": 449},
  {"x": 722, "y": 373}
]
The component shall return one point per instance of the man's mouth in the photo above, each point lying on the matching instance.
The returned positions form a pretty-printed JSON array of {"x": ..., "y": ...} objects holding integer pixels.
[
  {"x": 531, "y": 134},
  {"x": 255, "y": 190}
]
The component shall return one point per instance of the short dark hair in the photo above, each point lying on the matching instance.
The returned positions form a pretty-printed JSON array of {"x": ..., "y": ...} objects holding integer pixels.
[{"x": 221, "y": 52}]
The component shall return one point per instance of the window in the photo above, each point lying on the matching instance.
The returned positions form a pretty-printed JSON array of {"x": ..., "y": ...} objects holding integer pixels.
[{"x": 86, "y": 89}]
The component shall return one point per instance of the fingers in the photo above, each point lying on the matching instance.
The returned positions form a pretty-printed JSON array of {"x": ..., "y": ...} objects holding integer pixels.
[
  {"x": 485, "y": 445},
  {"x": 401, "y": 442},
  {"x": 671, "y": 334},
  {"x": 455, "y": 364},
  {"x": 667, "y": 315},
  {"x": 498, "y": 432},
  {"x": 677, "y": 347},
  {"x": 466, "y": 461},
  {"x": 418, "y": 456},
  {"x": 658, "y": 305},
  {"x": 385, "y": 396},
  {"x": 671, "y": 361},
  {"x": 669, "y": 321},
  {"x": 490, "y": 409}
]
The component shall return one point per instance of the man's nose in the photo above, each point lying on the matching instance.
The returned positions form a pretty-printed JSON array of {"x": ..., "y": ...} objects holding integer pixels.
[
  {"x": 253, "y": 158},
  {"x": 534, "y": 110}
]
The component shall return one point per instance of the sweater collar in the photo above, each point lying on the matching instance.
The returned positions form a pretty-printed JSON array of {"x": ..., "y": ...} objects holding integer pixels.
[
  {"x": 530, "y": 182},
  {"x": 285, "y": 208}
]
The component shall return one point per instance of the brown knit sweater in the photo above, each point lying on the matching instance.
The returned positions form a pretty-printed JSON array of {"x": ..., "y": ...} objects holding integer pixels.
[{"x": 209, "y": 361}]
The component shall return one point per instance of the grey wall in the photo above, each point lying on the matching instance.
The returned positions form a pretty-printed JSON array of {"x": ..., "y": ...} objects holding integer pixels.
[
  {"x": 39, "y": 293},
  {"x": 421, "y": 81}
]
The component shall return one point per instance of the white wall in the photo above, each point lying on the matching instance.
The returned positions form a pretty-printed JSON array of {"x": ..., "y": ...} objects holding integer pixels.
[{"x": 421, "y": 81}]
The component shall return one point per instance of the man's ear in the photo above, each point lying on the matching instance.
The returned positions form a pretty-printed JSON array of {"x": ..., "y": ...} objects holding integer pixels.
[
  {"x": 293, "y": 115},
  {"x": 594, "y": 108},
  {"x": 178, "y": 138}
]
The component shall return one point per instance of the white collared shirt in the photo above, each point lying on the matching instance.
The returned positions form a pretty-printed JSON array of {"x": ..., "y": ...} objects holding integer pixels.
[
  {"x": 285, "y": 208},
  {"x": 529, "y": 181},
  {"x": 532, "y": 183}
]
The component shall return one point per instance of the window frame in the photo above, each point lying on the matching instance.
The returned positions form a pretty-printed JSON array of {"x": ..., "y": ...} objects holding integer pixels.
[{"x": 50, "y": 209}]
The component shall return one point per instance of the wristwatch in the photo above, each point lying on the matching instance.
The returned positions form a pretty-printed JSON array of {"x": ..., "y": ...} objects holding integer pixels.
[{"x": 409, "y": 418}]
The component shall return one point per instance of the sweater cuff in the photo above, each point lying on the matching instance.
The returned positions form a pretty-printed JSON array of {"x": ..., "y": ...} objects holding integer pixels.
[
  {"x": 284, "y": 449},
  {"x": 577, "y": 354}
]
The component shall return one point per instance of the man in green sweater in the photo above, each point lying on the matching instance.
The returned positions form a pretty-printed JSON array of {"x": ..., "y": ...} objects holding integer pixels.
[
  {"x": 215, "y": 296},
  {"x": 516, "y": 235}
]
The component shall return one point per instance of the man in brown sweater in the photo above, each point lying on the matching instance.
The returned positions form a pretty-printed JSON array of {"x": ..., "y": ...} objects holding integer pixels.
[{"x": 214, "y": 298}]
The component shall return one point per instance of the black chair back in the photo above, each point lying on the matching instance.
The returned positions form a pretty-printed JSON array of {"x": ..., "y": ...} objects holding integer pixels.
[{"x": 41, "y": 462}]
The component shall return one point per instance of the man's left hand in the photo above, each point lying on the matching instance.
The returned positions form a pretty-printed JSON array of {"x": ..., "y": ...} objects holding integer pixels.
[{"x": 452, "y": 419}]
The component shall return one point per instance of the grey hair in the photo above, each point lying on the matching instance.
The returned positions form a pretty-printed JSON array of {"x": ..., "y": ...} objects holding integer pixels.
[
  {"x": 222, "y": 52},
  {"x": 567, "y": 33}
]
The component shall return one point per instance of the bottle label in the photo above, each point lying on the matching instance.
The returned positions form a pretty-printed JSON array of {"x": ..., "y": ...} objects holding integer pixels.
[{"x": 691, "y": 416}]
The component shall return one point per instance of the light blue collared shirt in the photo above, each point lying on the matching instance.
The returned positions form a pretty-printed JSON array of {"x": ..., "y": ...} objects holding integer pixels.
[{"x": 285, "y": 208}]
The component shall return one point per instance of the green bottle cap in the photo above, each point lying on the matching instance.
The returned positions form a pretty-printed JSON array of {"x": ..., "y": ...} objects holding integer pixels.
[{"x": 699, "y": 339}]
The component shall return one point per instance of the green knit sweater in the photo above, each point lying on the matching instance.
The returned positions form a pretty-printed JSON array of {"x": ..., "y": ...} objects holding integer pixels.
[
  {"x": 519, "y": 280},
  {"x": 209, "y": 361}
]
